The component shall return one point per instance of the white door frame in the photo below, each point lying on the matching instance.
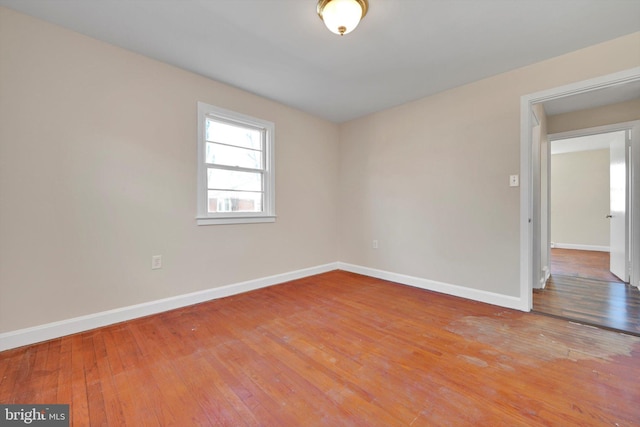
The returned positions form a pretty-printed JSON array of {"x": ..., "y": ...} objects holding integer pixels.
[
  {"x": 616, "y": 127},
  {"x": 528, "y": 176}
]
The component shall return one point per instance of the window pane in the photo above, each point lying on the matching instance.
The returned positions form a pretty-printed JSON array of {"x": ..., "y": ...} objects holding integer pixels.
[
  {"x": 233, "y": 135},
  {"x": 233, "y": 156},
  {"x": 234, "y": 201},
  {"x": 220, "y": 179}
]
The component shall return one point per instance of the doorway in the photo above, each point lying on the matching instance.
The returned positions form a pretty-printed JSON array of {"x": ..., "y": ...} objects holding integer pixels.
[
  {"x": 581, "y": 95},
  {"x": 588, "y": 199},
  {"x": 587, "y": 184}
]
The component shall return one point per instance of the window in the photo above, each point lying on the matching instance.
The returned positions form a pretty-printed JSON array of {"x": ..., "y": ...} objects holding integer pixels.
[{"x": 235, "y": 167}]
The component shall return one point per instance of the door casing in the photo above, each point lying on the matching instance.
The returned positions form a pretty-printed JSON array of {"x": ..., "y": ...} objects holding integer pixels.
[
  {"x": 618, "y": 127},
  {"x": 530, "y": 177}
]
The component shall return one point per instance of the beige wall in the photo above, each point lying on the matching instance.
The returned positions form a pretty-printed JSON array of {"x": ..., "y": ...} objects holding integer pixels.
[
  {"x": 580, "y": 198},
  {"x": 609, "y": 114},
  {"x": 98, "y": 173},
  {"x": 429, "y": 179}
]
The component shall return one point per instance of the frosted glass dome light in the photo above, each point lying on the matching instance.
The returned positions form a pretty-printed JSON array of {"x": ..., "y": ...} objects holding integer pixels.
[{"x": 342, "y": 16}]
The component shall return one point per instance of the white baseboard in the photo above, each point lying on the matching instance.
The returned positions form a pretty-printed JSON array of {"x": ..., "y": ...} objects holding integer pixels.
[
  {"x": 61, "y": 328},
  {"x": 445, "y": 288},
  {"x": 22, "y": 337},
  {"x": 581, "y": 247},
  {"x": 546, "y": 274}
]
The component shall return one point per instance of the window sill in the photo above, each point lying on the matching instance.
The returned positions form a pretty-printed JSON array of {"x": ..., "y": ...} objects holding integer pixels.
[{"x": 235, "y": 220}]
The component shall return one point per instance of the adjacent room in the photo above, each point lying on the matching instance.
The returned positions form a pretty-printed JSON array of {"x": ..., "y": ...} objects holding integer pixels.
[
  {"x": 589, "y": 251},
  {"x": 333, "y": 212}
]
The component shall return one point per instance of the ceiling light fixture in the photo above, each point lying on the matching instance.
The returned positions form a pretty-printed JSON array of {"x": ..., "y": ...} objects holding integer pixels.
[{"x": 342, "y": 16}]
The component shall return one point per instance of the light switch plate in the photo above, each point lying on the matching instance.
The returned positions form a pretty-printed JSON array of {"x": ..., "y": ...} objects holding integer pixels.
[{"x": 156, "y": 262}]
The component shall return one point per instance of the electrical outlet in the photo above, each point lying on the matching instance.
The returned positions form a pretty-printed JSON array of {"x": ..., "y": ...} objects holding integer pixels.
[
  {"x": 156, "y": 262},
  {"x": 375, "y": 244},
  {"x": 514, "y": 180}
]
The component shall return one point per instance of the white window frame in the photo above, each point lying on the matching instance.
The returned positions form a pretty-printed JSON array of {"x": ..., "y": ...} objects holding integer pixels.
[{"x": 268, "y": 214}]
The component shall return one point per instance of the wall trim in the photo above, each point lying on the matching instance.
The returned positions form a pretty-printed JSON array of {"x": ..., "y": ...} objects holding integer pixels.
[
  {"x": 527, "y": 174},
  {"x": 546, "y": 274},
  {"x": 48, "y": 331},
  {"x": 444, "y": 288},
  {"x": 32, "y": 335},
  {"x": 581, "y": 247}
]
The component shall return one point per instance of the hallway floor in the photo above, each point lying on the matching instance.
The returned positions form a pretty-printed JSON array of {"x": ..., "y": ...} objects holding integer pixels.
[{"x": 582, "y": 289}]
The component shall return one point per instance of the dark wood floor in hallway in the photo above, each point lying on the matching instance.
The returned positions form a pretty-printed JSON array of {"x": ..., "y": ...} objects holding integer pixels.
[
  {"x": 582, "y": 289},
  {"x": 577, "y": 263},
  {"x": 335, "y": 349}
]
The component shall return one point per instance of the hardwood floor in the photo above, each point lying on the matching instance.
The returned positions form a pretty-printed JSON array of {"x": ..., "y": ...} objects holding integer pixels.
[
  {"x": 335, "y": 349},
  {"x": 578, "y": 291},
  {"x": 587, "y": 264},
  {"x": 613, "y": 305}
]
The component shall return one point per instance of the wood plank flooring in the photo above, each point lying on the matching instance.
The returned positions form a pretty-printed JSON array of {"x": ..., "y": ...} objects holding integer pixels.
[
  {"x": 587, "y": 264},
  {"x": 335, "y": 349},
  {"x": 577, "y": 292}
]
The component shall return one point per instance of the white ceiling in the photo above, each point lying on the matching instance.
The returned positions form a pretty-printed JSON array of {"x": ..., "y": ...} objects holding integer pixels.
[{"x": 403, "y": 49}]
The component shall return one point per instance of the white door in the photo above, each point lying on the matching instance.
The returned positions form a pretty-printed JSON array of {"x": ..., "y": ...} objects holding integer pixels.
[{"x": 618, "y": 205}]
